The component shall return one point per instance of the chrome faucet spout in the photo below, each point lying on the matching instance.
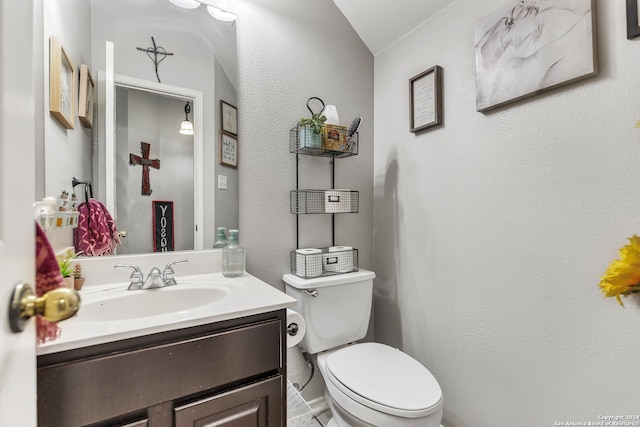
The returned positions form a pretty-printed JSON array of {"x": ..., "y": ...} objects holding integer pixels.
[{"x": 154, "y": 279}]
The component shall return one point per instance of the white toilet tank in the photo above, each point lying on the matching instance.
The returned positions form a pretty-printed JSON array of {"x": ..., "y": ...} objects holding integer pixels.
[{"x": 336, "y": 309}]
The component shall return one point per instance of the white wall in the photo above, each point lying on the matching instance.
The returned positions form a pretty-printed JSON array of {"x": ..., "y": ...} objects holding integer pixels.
[
  {"x": 286, "y": 54},
  {"x": 491, "y": 232},
  {"x": 67, "y": 152}
]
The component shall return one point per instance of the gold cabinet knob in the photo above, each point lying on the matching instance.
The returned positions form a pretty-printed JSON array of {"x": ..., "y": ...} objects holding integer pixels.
[{"x": 56, "y": 305}]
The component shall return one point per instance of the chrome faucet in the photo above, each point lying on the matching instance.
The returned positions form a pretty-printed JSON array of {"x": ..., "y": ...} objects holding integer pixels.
[
  {"x": 155, "y": 279},
  {"x": 137, "y": 278}
]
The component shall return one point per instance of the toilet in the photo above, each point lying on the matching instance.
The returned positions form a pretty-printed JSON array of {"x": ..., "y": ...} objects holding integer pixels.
[{"x": 366, "y": 384}]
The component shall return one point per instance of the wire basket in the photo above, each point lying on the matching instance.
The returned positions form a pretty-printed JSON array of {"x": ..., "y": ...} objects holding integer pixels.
[
  {"x": 312, "y": 263},
  {"x": 298, "y": 411},
  {"x": 333, "y": 141},
  {"x": 324, "y": 201}
]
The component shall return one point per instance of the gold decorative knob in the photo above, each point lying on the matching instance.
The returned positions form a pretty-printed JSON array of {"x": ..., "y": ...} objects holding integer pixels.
[{"x": 56, "y": 305}]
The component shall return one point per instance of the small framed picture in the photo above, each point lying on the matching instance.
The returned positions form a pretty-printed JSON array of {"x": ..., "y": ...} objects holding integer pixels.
[
  {"x": 163, "y": 230},
  {"x": 229, "y": 115},
  {"x": 228, "y": 155},
  {"x": 85, "y": 102},
  {"x": 425, "y": 102},
  {"x": 633, "y": 27},
  {"x": 62, "y": 77}
]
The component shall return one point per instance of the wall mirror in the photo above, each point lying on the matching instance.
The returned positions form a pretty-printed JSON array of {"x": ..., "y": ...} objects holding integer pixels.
[{"x": 200, "y": 57}]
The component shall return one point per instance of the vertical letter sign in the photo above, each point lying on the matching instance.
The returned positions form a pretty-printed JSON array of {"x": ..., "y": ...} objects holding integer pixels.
[{"x": 163, "y": 226}]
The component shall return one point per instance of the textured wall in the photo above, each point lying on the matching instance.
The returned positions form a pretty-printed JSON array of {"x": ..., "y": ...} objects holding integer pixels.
[
  {"x": 492, "y": 231},
  {"x": 286, "y": 54}
]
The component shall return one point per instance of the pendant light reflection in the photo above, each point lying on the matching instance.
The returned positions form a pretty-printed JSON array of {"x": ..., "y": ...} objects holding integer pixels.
[
  {"x": 186, "y": 127},
  {"x": 186, "y": 4},
  {"x": 221, "y": 15},
  {"x": 214, "y": 11}
]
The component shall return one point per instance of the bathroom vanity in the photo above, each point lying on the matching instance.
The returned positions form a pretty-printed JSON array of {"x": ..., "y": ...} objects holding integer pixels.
[
  {"x": 223, "y": 373},
  {"x": 221, "y": 363}
]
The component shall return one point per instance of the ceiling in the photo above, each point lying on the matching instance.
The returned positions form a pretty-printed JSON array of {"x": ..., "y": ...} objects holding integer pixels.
[{"x": 380, "y": 23}]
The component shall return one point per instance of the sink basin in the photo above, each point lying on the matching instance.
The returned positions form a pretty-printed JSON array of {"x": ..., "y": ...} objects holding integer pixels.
[{"x": 125, "y": 305}]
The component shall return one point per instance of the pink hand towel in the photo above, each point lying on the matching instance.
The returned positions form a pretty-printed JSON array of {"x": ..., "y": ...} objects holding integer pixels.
[
  {"x": 48, "y": 277},
  {"x": 96, "y": 234}
]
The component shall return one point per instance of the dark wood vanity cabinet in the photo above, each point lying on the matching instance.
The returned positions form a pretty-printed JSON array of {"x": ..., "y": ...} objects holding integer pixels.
[{"x": 226, "y": 374}]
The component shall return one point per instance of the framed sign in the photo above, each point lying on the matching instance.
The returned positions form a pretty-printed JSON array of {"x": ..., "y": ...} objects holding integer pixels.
[
  {"x": 87, "y": 91},
  {"x": 425, "y": 102},
  {"x": 633, "y": 16},
  {"x": 62, "y": 77},
  {"x": 229, "y": 115},
  {"x": 228, "y": 149},
  {"x": 163, "y": 239}
]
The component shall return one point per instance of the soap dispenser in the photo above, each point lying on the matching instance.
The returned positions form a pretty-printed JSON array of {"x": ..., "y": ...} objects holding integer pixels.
[
  {"x": 233, "y": 257},
  {"x": 221, "y": 238}
]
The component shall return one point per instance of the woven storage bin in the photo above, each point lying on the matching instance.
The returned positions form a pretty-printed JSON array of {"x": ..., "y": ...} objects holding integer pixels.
[{"x": 298, "y": 411}]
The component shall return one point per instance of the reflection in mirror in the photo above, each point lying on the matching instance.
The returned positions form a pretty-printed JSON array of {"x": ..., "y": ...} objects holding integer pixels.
[
  {"x": 203, "y": 60},
  {"x": 147, "y": 116}
]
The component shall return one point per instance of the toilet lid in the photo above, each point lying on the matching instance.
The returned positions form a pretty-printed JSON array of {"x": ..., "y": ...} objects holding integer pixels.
[{"x": 385, "y": 379}]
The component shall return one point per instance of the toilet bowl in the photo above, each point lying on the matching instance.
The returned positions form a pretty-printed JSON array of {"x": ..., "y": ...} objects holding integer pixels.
[
  {"x": 366, "y": 384},
  {"x": 372, "y": 384}
]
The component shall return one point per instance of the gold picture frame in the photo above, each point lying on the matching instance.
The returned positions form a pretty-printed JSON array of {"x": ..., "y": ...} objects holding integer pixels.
[
  {"x": 62, "y": 77},
  {"x": 87, "y": 95}
]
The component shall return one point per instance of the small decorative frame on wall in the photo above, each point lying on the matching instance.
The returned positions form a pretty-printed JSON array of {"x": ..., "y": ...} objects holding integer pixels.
[
  {"x": 229, "y": 118},
  {"x": 425, "y": 101},
  {"x": 633, "y": 18},
  {"x": 228, "y": 155},
  {"x": 87, "y": 91},
  {"x": 163, "y": 230},
  {"x": 62, "y": 77}
]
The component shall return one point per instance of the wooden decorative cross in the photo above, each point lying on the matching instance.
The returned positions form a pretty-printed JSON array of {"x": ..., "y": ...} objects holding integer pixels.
[{"x": 146, "y": 162}]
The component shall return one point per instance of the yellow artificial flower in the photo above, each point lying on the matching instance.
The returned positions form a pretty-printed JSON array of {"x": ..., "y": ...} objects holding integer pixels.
[{"x": 623, "y": 275}]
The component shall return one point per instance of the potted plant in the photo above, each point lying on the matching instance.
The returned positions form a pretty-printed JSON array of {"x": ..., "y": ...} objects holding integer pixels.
[
  {"x": 66, "y": 269},
  {"x": 311, "y": 131},
  {"x": 78, "y": 280}
]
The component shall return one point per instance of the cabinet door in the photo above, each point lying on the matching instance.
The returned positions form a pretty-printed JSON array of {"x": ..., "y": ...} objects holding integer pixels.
[{"x": 255, "y": 405}]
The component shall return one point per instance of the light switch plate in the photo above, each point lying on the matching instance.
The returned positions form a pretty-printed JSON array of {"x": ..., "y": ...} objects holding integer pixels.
[{"x": 222, "y": 182}]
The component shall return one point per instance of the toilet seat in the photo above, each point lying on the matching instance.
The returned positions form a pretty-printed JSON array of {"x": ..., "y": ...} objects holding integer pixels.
[{"x": 384, "y": 379}]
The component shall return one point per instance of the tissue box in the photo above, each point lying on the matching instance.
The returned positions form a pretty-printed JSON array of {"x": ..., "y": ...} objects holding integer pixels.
[{"x": 334, "y": 138}]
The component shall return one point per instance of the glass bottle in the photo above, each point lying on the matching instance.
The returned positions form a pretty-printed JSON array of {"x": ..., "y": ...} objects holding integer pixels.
[
  {"x": 233, "y": 257},
  {"x": 221, "y": 238}
]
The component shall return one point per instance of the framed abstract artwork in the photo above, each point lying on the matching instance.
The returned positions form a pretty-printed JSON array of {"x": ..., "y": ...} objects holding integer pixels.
[
  {"x": 524, "y": 48},
  {"x": 62, "y": 77}
]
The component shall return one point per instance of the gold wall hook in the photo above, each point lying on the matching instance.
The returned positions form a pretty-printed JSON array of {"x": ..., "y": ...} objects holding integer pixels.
[{"x": 56, "y": 305}]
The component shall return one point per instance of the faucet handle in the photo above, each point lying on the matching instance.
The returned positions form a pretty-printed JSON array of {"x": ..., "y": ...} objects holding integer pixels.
[
  {"x": 137, "y": 278},
  {"x": 167, "y": 273}
]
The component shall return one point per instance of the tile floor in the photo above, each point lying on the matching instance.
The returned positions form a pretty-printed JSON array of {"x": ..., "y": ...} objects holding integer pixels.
[{"x": 322, "y": 419}]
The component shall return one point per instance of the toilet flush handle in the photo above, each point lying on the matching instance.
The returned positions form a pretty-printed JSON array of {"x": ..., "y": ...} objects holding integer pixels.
[{"x": 314, "y": 293}]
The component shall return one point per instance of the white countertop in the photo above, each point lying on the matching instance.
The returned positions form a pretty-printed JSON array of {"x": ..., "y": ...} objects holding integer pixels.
[{"x": 237, "y": 297}]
